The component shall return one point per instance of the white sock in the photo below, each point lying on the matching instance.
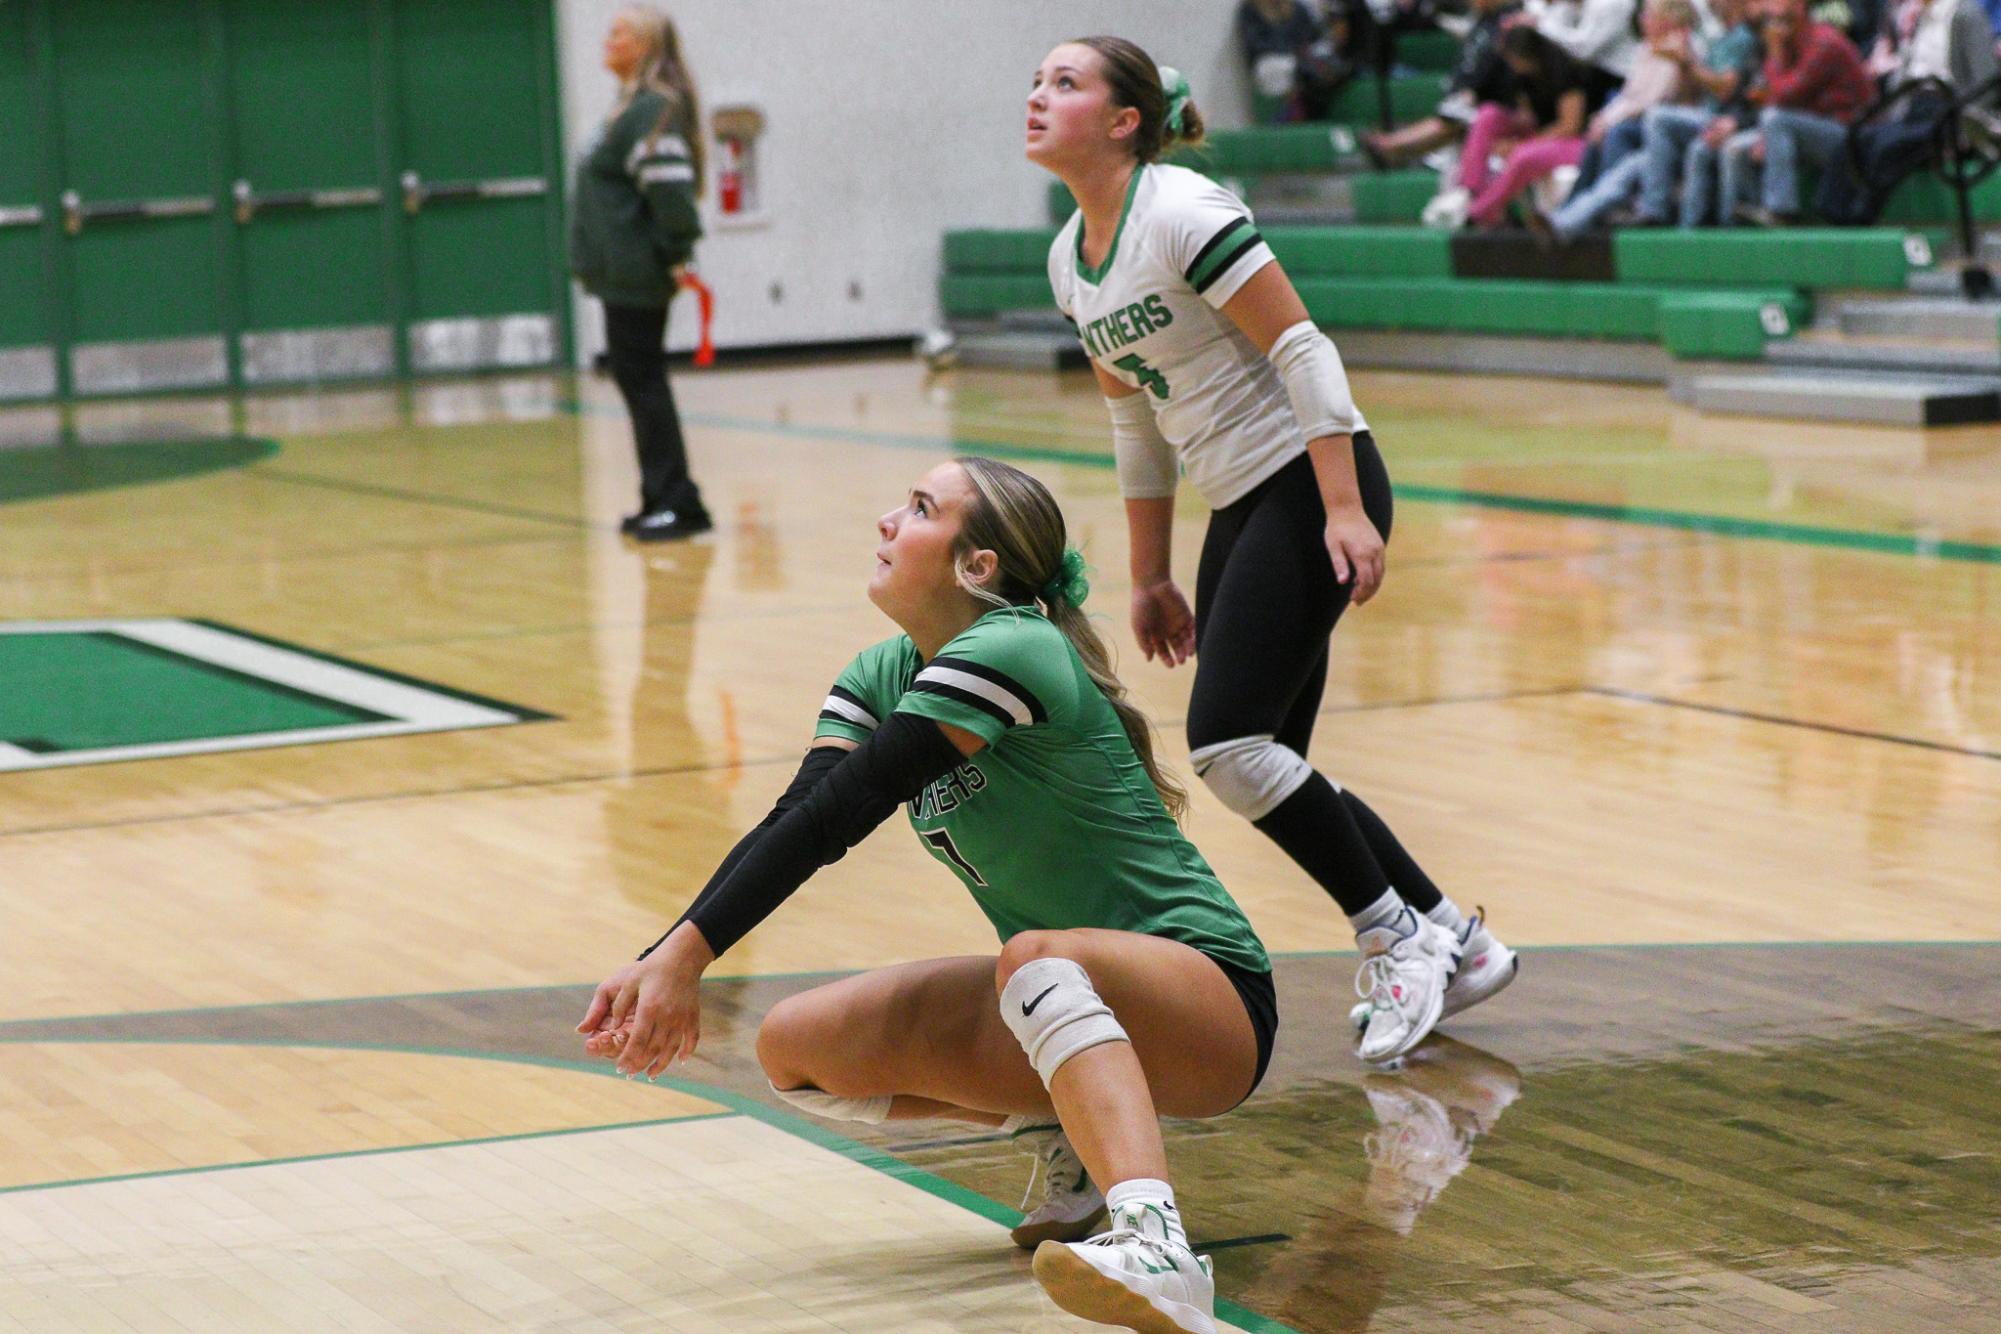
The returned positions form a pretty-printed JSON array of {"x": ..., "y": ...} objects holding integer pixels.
[
  {"x": 1380, "y": 913},
  {"x": 1147, "y": 1206},
  {"x": 1447, "y": 915}
]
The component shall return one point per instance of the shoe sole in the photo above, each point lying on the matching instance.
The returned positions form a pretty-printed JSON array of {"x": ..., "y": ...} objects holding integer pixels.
[
  {"x": 1075, "y": 1286},
  {"x": 1028, "y": 1238},
  {"x": 678, "y": 535}
]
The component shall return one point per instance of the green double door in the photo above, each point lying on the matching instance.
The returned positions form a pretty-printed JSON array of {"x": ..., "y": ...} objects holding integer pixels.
[{"x": 253, "y": 192}]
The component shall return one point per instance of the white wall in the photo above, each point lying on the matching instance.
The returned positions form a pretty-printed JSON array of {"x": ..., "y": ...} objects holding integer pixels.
[{"x": 887, "y": 122}]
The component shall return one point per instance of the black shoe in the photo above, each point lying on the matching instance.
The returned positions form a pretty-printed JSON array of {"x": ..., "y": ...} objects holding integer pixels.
[
  {"x": 670, "y": 525},
  {"x": 630, "y": 522}
]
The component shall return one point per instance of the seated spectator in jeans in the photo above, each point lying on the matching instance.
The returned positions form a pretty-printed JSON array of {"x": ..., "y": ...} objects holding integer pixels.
[
  {"x": 1680, "y": 143},
  {"x": 1814, "y": 86},
  {"x": 1615, "y": 137},
  {"x": 1543, "y": 131},
  {"x": 1947, "y": 40},
  {"x": 1479, "y": 75}
]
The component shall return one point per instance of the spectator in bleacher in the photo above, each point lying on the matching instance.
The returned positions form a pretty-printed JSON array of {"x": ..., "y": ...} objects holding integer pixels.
[
  {"x": 1543, "y": 131},
  {"x": 1681, "y": 143},
  {"x": 1293, "y": 56},
  {"x": 1615, "y": 134},
  {"x": 1814, "y": 85},
  {"x": 1597, "y": 32},
  {"x": 1479, "y": 75},
  {"x": 1946, "y": 40}
]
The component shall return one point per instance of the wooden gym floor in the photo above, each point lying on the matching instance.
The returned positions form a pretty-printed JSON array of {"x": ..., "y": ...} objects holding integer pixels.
[{"x": 1706, "y": 713}]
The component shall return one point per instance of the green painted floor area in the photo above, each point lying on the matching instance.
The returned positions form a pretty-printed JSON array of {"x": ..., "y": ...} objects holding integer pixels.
[
  {"x": 85, "y": 691},
  {"x": 61, "y": 470}
]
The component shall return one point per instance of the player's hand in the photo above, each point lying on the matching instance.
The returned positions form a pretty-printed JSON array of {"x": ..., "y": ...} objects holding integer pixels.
[
  {"x": 1718, "y": 130},
  {"x": 1163, "y": 624},
  {"x": 1356, "y": 549},
  {"x": 647, "y": 1015}
]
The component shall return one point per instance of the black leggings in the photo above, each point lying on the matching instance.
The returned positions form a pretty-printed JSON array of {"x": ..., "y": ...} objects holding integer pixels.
[
  {"x": 1266, "y": 601},
  {"x": 636, "y": 343}
]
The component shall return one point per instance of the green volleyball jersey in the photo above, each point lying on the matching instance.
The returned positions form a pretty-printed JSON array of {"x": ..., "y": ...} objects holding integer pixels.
[{"x": 1054, "y": 823}]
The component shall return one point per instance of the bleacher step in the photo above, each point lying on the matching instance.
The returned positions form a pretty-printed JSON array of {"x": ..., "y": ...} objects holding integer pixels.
[
  {"x": 1887, "y": 400},
  {"x": 1923, "y": 317},
  {"x": 1933, "y": 359}
]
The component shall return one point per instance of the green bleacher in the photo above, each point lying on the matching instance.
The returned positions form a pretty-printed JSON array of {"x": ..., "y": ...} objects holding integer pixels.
[{"x": 1716, "y": 294}]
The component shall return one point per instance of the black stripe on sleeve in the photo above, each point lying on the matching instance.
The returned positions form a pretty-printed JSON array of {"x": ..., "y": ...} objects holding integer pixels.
[
  {"x": 1251, "y": 242},
  {"x": 1211, "y": 244},
  {"x": 999, "y": 678},
  {"x": 980, "y": 702}
]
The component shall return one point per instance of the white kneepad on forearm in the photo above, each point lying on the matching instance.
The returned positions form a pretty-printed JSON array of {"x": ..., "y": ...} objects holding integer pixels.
[
  {"x": 1144, "y": 457},
  {"x": 1252, "y": 774},
  {"x": 1055, "y": 1012},
  {"x": 1316, "y": 382},
  {"x": 870, "y": 1111}
]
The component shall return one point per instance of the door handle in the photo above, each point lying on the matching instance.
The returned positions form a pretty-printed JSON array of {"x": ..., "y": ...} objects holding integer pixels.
[
  {"x": 417, "y": 191},
  {"x": 76, "y": 212},
  {"x": 249, "y": 203}
]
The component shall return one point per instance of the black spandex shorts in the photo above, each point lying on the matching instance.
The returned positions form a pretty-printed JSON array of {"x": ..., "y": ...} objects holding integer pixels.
[{"x": 1260, "y": 1000}]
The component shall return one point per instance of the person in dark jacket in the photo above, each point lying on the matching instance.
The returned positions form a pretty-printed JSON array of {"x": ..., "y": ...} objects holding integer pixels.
[
  {"x": 1480, "y": 75},
  {"x": 632, "y": 231}
]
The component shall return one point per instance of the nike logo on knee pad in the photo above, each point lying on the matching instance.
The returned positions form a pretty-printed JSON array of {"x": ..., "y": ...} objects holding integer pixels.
[{"x": 1028, "y": 1007}]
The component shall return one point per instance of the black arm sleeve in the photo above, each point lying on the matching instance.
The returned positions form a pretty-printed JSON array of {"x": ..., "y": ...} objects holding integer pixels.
[
  {"x": 818, "y": 762},
  {"x": 855, "y": 794}
]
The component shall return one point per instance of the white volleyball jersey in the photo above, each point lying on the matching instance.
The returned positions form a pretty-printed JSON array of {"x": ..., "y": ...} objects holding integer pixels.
[{"x": 1152, "y": 315}]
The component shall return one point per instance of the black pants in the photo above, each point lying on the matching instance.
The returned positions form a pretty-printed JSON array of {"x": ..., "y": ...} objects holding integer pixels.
[
  {"x": 1890, "y": 150},
  {"x": 1266, "y": 601},
  {"x": 636, "y": 339}
]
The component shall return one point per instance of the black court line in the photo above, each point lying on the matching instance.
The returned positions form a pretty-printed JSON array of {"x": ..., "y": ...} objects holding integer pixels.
[
  {"x": 655, "y": 771},
  {"x": 1779, "y": 720},
  {"x": 1262, "y": 1239},
  {"x": 421, "y": 497},
  {"x": 412, "y": 794}
]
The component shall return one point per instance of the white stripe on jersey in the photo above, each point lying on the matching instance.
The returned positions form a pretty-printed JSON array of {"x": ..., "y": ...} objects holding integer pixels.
[
  {"x": 655, "y": 145},
  {"x": 851, "y": 711},
  {"x": 658, "y": 172},
  {"x": 998, "y": 695}
]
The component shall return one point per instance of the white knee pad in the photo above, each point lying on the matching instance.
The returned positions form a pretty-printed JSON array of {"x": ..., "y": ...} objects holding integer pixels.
[
  {"x": 1252, "y": 774},
  {"x": 1055, "y": 1012},
  {"x": 870, "y": 1111}
]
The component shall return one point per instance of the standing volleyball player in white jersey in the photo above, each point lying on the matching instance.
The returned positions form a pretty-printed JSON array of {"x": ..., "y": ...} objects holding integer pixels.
[{"x": 1207, "y": 359}]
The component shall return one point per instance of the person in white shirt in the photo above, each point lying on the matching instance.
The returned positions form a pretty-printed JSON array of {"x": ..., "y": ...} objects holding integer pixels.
[{"x": 1210, "y": 366}]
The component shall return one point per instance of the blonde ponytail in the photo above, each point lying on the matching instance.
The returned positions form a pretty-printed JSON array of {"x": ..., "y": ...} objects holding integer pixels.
[{"x": 1014, "y": 516}]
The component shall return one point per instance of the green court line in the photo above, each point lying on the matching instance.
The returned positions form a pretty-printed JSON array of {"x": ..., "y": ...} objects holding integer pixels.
[
  {"x": 360, "y": 1153},
  {"x": 858, "y": 1153},
  {"x": 1721, "y": 525},
  {"x": 247, "y": 1007}
]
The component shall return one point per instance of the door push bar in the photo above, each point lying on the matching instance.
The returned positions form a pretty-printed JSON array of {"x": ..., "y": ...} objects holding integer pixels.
[
  {"x": 76, "y": 212},
  {"x": 249, "y": 203},
  {"x": 417, "y": 191}
]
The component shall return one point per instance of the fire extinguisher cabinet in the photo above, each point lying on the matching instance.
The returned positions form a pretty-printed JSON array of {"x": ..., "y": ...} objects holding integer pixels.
[{"x": 738, "y": 133}]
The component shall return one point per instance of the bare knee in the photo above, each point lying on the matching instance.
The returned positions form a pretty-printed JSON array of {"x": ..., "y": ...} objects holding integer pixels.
[
  {"x": 784, "y": 1044},
  {"x": 1027, "y": 946}
]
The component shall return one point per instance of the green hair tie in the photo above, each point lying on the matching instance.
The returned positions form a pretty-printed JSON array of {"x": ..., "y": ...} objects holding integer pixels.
[
  {"x": 1068, "y": 584},
  {"x": 1175, "y": 84}
]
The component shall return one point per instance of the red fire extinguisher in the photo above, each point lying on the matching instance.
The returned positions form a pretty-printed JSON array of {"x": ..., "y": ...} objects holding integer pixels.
[{"x": 729, "y": 181}]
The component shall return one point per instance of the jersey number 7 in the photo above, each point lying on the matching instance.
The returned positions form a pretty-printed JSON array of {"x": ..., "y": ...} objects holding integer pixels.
[
  {"x": 1148, "y": 377},
  {"x": 942, "y": 841}
]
